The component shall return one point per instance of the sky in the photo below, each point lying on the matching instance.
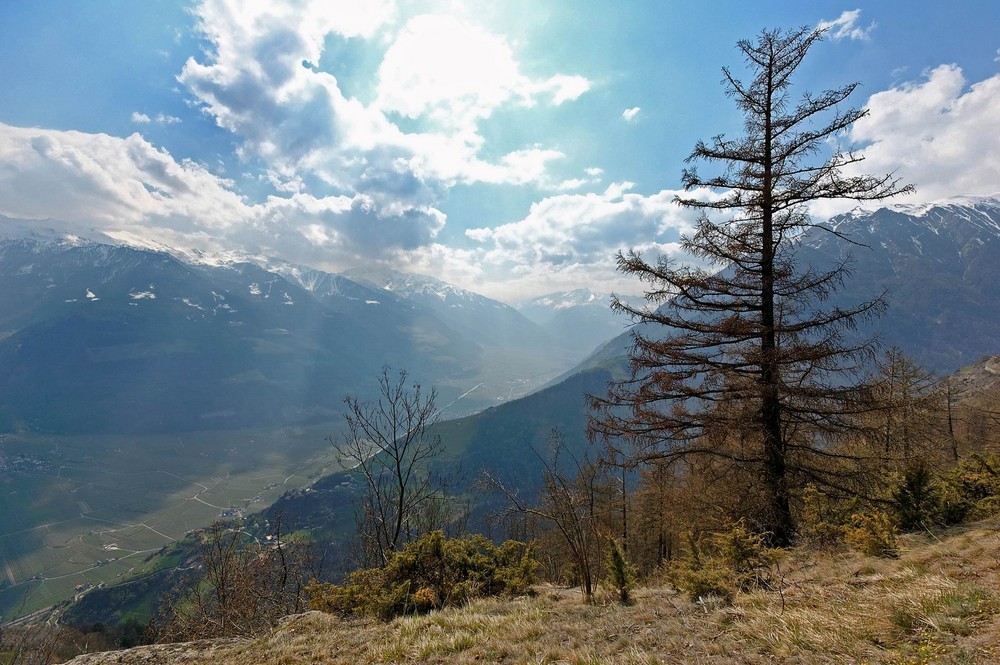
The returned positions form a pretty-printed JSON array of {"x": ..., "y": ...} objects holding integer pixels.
[{"x": 511, "y": 147}]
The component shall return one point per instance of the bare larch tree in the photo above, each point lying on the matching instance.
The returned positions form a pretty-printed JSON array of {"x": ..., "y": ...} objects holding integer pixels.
[
  {"x": 750, "y": 362},
  {"x": 388, "y": 443},
  {"x": 568, "y": 501}
]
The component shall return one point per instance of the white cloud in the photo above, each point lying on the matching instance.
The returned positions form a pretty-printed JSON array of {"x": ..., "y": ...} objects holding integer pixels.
[
  {"x": 444, "y": 74},
  {"x": 846, "y": 26},
  {"x": 160, "y": 119},
  {"x": 455, "y": 74},
  {"x": 568, "y": 240},
  {"x": 631, "y": 114},
  {"x": 937, "y": 134},
  {"x": 450, "y": 71},
  {"x": 617, "y": 189},
  {"x": 258, "y": 79},
  {"x": 290, "y": 183},
  {"x": 106, "y": 183},
  {"x": 131, "y": 188},
  {"x": 524, "y": 166},
  {"x": 563, "y": 88},
  {"x": 98, "y": 178},
  {"x": 572, "y": 183}
]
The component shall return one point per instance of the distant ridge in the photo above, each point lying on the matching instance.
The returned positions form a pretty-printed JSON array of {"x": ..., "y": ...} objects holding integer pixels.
[
  {"x": 474, "y": 315},
  {"x": 580, "y": 318},
  {"x": 115, "y": 334},
  {"x": 938, "y": 262}
]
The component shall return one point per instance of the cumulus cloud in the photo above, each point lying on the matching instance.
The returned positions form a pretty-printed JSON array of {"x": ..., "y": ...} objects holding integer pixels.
[
  {"x": 570, "y": 239},
  {"x": 455, "y": 74},
  {"x": 112, "y": 184},
  {"x": 631, "y": 114},
  {"x": 394, "y": 155},
  {"x": 940, "y": 133},
  {"x": 446, "y": 75},
  {"x": 357, "y": 175},
  {"x": 129, "y": 188},
  {"x": 936, "y": 133},
  {"x": 563, "y": 88},
  {"x": 82, "y": 177},
  {"x": 847, "y": 26}
]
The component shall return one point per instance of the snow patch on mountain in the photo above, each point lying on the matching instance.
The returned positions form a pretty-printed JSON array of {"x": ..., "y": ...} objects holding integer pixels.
[
  {"x": 983, "y": 207},
  {"x": 566, "y": 299},
  {"x": 418, "y": 287}
]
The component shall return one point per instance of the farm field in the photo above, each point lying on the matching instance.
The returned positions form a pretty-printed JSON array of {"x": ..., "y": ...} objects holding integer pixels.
[{"x": 87, "y": 510}]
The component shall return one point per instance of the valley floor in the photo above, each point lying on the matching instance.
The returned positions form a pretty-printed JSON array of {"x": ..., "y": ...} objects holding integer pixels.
[{"x": 939, "y": 602}]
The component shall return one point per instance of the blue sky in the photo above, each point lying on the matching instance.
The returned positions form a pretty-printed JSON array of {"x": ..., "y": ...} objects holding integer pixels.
[{"x": 512, "y": 147}]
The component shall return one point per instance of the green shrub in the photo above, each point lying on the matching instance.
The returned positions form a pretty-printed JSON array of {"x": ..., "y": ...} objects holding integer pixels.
[
  {"x": 431, "y": 573},
  {"x": 363, "y": 592},
  {"x": 824, "y": 520},
  {"x": 971, "y": 490},
  {"x": 723, "y": 563},
  {"x": 915, "y": 498},
  {"x": 622, "y": 573},
  {"x": 873, "y": 533}
]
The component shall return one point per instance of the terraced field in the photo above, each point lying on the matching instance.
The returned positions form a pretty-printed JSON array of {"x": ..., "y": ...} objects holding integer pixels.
[{"x": 84, "y": 510}]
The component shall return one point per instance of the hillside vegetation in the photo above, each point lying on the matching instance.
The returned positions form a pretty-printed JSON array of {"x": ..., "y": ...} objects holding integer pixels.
[{"x": 938, "y": 602}]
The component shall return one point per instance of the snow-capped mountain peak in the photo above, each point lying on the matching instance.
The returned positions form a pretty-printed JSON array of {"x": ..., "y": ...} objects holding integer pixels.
[
  {"x": 566, "y": 299},
  {"x": 415, "y": 286},
  {"x": 987, "y": 205}
]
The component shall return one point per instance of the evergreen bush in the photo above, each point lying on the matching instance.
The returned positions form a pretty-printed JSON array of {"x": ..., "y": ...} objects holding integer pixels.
[
  {"x": 723, "y": 563},
  {"x": 916, "y": 498},
  {"x": 824, "y": 520},
  {"x": 428, "y": 574},
  {"x": 873, "y": 533},
  {"x": 621, "y": 571}
]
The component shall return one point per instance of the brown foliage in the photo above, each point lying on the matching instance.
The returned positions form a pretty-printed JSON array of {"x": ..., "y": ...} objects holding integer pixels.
[{"x": 243, "y": 586}]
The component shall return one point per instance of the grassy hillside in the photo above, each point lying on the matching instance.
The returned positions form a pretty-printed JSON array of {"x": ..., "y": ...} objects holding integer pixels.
[{"x": 939, "y": 602}]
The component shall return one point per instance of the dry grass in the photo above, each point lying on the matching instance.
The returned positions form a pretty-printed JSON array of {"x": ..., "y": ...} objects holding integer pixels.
[{"x": 938, "y": 603}]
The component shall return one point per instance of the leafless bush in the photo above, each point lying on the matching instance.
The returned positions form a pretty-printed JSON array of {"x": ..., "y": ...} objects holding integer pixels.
[{"x": 246, "y": 584}]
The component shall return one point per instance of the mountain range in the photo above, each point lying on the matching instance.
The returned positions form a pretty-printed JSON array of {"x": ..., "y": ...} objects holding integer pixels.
[
  {"x": 97, "y": 335},
  {"x": 938, "y": 265},
  {"x": 578, "y": 317},
  {"x": 106, "y": 335}
]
